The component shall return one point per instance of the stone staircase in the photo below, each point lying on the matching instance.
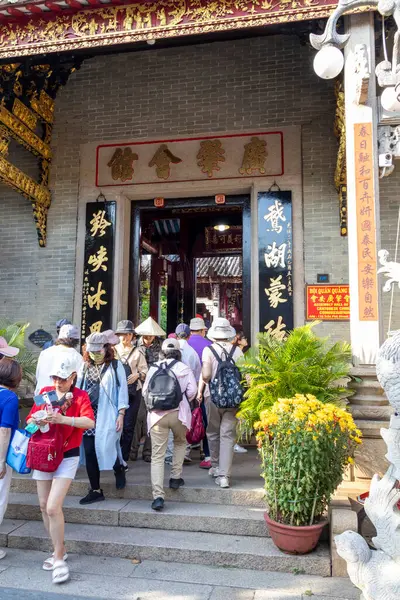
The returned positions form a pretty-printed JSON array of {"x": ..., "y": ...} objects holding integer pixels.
[
  {"x": 371, "y": 411},
  {"x": 201, "y": 523}
]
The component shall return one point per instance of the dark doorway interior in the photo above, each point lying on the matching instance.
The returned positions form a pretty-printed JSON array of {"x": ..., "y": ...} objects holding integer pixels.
[{"x": 190, "y": 257}]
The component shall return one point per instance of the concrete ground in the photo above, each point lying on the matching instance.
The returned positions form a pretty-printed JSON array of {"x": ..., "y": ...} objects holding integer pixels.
[{"x": 21, "y": 578}]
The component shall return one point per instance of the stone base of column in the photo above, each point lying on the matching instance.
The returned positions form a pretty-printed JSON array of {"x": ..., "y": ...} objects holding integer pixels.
[{"x": 371, "y": 411}]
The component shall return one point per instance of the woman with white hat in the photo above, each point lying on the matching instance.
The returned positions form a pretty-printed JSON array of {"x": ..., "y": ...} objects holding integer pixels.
[
  {"x": 75, "y": 414},
  {"x": 135, "y": 366},
  {"x": 103, "y": 378},
  {"x": 221, "y": 428},
  {"x": 65, "y": 345}
]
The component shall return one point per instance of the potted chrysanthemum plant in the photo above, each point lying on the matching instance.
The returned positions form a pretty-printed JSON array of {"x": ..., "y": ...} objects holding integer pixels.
[{"x": 305, "y": 447}]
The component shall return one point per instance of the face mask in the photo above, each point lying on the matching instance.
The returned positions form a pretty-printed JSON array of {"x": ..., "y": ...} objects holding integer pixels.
[{"x": 97, "y": 357}]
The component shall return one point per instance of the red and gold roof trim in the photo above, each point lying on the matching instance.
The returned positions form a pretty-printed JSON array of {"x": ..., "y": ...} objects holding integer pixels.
[{"x": 75, "y": 24}]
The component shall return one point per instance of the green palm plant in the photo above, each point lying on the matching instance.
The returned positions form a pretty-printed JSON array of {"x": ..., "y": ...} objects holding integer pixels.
[
  {"x": 14, "y": 333},
  {"x": 303, "y": 363}
]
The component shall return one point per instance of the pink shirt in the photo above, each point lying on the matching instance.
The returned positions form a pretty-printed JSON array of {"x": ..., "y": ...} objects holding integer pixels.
[{"x": 188, "y": 386}]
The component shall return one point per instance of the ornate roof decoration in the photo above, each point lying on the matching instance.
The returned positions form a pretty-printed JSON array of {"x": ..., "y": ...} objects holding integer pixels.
[
  {"x": 29, "y": 28},
  {"x": 27, "y": 94}
]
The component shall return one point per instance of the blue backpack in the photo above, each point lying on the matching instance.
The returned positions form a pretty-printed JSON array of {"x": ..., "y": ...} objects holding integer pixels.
[{"x": 225, "y": 389}]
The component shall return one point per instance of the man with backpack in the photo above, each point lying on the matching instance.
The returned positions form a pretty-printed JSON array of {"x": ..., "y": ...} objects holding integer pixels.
[
  {"x": 223, "y": 397},
  {"x": 169, "y": 387}
]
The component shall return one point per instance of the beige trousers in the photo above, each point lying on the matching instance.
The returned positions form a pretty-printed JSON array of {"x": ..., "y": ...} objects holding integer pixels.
[
  {"x": 221, "y": 435},
  {"x": 159, "y": 440}
]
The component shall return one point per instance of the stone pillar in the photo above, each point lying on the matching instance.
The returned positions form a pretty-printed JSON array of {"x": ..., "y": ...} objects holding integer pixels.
[
  {"x": 362, "y": 181},
  {"x": 368, "y": 405}
]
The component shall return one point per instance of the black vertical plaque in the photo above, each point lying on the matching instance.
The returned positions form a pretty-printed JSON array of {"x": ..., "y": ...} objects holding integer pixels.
[
  {"x": 275, "y": 262},
  {"x": 97, "y": 289}
]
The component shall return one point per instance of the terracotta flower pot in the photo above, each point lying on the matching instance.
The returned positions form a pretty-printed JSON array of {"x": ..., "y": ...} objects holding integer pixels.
[{"x": 292, "y": 539}]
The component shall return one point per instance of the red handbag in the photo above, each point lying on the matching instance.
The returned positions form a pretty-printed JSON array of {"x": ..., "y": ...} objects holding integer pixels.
[
  {"x": 46, "y": 450},
  {"x": 197, "y": 429}
]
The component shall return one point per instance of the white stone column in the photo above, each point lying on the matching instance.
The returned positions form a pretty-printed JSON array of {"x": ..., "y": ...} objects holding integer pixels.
[{"x": 366, "y": 335}]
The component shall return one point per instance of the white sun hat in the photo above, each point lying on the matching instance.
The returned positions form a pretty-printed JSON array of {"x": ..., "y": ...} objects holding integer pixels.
[
  {"x": 63, "y": 366},
  {"x": 221, "y": 329},
  {"x": 150, "y": 327}
]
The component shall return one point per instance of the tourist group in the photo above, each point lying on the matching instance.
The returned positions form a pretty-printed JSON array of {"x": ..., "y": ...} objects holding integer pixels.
[{"x": 129, "y": 388}]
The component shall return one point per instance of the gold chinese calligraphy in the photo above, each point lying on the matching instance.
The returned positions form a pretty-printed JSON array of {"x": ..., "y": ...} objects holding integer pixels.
[
  {"x": 121, "y": 164},
  {"x": 210, "y": 154},
  {"x": 162, "y": 160}
]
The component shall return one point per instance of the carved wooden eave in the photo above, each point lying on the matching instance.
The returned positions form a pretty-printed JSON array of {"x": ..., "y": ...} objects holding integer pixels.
[
  {"x": 27, "y": 94},
  {"x": 38, "y": 26}
]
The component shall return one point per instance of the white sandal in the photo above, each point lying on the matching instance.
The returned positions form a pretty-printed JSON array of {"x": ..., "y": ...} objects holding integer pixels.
[
  {"x": 48, "y": 564},
  {"x": 60, "y": 571}
]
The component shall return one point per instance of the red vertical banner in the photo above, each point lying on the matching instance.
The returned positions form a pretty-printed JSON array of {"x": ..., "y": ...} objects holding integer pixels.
[{"x": 366, "y": 225}]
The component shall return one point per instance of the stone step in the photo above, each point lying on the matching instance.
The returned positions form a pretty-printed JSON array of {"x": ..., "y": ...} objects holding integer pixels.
[
  {"x": 372, "y": 384},
  {"x": 368, "y": 400},
  {"x": 206, "y": 493},
  {"x": 246, "y": 552},
  {"x": 376, "y": 413},
  {"x": 212, "y": 518},
  {"x": 364, "y": 372}
]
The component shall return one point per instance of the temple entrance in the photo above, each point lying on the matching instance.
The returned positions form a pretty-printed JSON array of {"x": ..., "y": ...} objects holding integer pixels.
[{"x": 191, "y": 257}]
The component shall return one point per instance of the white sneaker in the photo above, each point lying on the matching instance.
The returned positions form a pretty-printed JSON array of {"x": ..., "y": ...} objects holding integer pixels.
[
  {"x": 239, "y": 449},
  {"x": 214, "y": 471},
  {"x": 3, "y": 554},
  {"x": 222, "y": 481}
]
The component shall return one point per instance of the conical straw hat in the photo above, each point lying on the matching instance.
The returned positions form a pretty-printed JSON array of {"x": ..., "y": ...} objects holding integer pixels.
[{"x": 150, "y": 327}]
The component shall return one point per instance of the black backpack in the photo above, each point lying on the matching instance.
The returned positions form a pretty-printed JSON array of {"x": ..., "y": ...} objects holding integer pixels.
[
  {"x": 164, "y": 391},
  {"x": 225, "y": 389}
]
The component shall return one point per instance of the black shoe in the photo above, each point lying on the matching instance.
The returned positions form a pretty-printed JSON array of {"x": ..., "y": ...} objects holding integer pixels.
[
  {"x": 147, "y": 459},
  {"x": 157, "y": 504},
  {"x": 120, "y": 478},
  {"x": 175, "y": 484},
  {"x": 92, "y": 497},
  {"x": 126, "y": 467}
]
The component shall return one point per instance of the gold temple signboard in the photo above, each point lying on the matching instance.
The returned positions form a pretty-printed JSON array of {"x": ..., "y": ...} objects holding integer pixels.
[
  {"x": 191, "y": 159},
  {"x": 55, "y": 31},
  {"x": 366, "y": 228}
]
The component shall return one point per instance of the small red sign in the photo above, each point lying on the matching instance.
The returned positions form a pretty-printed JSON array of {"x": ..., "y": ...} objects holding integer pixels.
[
  {"x": 159, "y": 202},
  {"x": 220, "y": 199},
  {"x": 328, "y": 302}
]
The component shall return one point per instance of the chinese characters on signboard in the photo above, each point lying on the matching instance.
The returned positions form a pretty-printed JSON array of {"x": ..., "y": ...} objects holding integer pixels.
[
  {"x": 365, "y": 206},
  {"x": 98, "y": 267},
  {"x": 328, "y": 302},
  {"x": 191, "y": 159},
  {"x": 224, "y": 241},
  {"x": 275, "y": 260}
]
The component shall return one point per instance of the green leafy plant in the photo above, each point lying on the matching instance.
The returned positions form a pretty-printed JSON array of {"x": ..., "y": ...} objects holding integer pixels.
[
  {"x": 305, "y": 447},
  {"x": 302, "y": 363},
  {"x": 14, "y": 333}
]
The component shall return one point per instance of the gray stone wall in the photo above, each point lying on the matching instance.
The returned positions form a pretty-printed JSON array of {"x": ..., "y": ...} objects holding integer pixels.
[{"x": 236, "y": 85}]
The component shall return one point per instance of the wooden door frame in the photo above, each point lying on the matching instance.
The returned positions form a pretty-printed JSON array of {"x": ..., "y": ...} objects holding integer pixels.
[{"x": 137, "y": 207}]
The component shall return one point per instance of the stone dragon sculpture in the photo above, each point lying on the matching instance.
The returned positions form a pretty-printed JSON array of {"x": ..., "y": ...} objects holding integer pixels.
[{"x": 377, "y": 572}]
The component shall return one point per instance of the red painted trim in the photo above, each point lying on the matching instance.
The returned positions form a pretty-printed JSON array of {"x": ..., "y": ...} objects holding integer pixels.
[
  {"x": 74, "y": 4},
  {"x": 190, "y": 139},
  {"x": 53, "y": 6},
  {"x": 34, "y": 8},
  {"x": 15, "y": 12}
]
